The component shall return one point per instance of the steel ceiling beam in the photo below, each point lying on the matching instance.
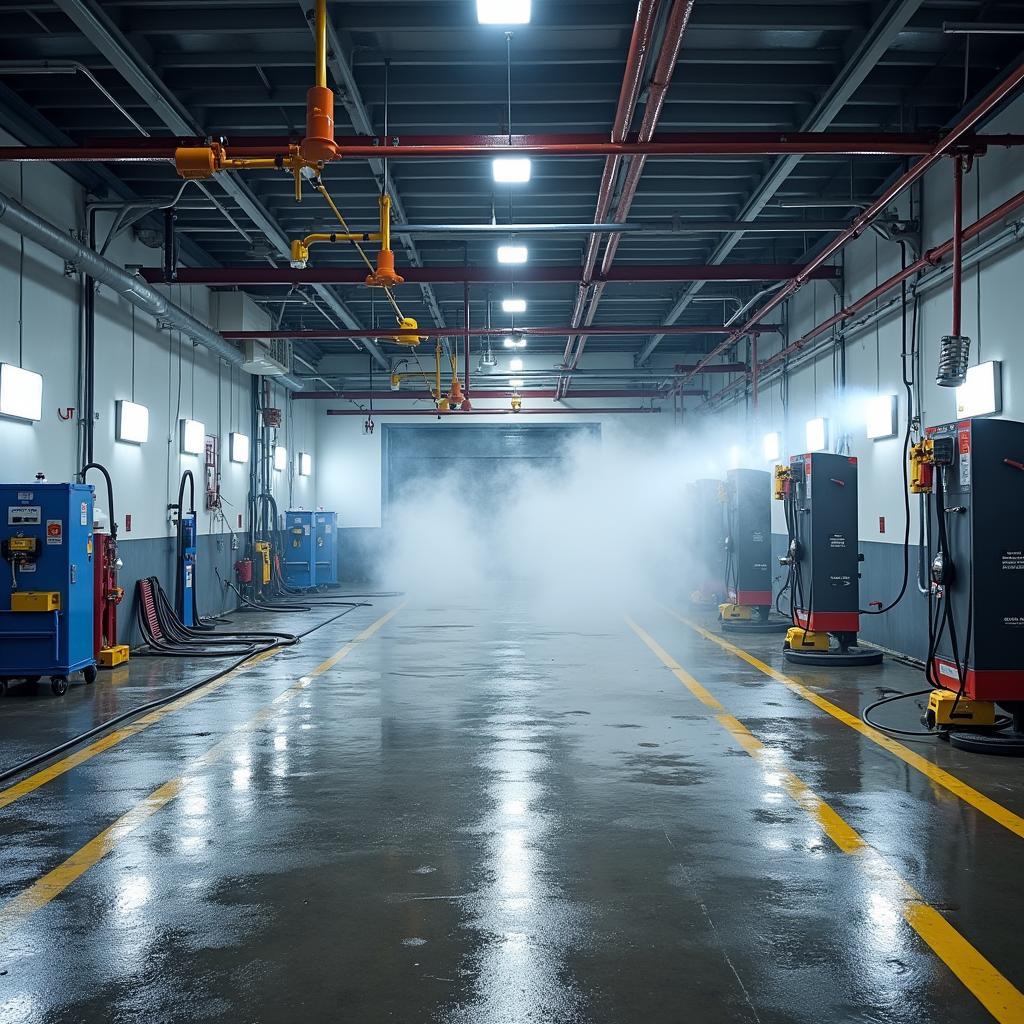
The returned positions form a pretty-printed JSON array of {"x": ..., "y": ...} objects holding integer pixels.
[
  {"x": 352, "y": 101},
  {"x": 867, "y": 54},
  {"x": 137, "y": 71},
  {"x": 257, "y": 274}
]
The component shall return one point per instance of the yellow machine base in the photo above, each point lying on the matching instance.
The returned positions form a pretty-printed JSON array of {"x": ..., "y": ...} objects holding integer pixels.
[
  {"x": 940, "y": 713},
  {"x": 35, "y": 601},
  {"x": 734, "y": 612},
  {"x": 111, "y": 657},
  {"x": 798, "y": 639}
]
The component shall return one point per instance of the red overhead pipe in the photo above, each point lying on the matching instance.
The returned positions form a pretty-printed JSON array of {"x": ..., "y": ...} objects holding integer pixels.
[
  {"x": 679, "y": 18},
  {"x": 959, "y": 130},
  {"x": 597, "y": 411},
  {"x": 262, "y": 274},
  {"x": 933, "y": 257},
  {"x": 416, "y": 396},
  {"x": 629, "y": 94},
  {"x": 344, "y": 334},
  {"x": 668, "y": 144}
]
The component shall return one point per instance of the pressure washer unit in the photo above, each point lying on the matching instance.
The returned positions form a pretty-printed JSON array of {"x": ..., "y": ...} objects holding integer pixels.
[
  {"x": 819, "y": 495},
  {"x": 748, "y": 552},
  {"x": 46, "y": 586},
  {"x": 972, "y": 472},
  {"x": 706, "y": 537}
]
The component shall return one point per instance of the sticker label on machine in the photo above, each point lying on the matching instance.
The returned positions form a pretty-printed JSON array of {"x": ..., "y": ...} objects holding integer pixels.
[
  {"x": 85, "y": 513},
  {"x": 24, "y": 515},
  {"x": 837, "y": 541},
  {"x": 965, "y": 455},
  {"x": 54, "y": 531},
  {"x": 1013, "y": 621},
  {"x": 1012, "y": 561}
]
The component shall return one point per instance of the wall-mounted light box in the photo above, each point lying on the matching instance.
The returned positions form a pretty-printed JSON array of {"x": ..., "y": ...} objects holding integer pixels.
[
  {"x": 772, "y": 446},
  {"x": 280, "y": 458},
  {"x": 981, "y": 394},
  {"x": 305, "y": 464},
  {"x": 880, "y": 417},
  {"x": 503, "y": 12},
  {"x": 816, "y": 434},
  {"x": 131, "y": 422},
  {"x": 192, "y": 436},
  {"x": 21, "y": 393},
  {"x": 239, "y": 447}
]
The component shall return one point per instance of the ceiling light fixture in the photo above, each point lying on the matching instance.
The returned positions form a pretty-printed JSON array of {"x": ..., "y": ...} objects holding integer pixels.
[
  {"x": 513, "y": 254},
  {"x": 513, "y": 305},
  {"x": 503, "y": 12}
]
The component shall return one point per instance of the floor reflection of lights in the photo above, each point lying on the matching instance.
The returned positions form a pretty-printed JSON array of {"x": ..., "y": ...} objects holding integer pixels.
[{"x": 523, "y": 921}]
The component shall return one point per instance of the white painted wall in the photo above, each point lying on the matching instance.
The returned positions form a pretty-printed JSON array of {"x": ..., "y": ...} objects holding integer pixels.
[
  {"x": 171, "y": 377},
  {"x": 993, "y": 314}
]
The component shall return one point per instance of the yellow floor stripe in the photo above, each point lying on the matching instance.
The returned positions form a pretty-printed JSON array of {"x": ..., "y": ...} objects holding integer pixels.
[
  {"x": 958, "y": 788},
  {"x": 54, "y": 771},
  {"x": 992, "y": 989},
  {"x": 41, "y": 892}
]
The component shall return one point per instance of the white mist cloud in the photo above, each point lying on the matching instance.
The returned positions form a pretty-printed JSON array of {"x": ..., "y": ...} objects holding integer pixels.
[{"x": 607, "y": 527}]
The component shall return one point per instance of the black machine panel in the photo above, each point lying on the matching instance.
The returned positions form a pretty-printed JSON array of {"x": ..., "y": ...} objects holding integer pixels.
[
  {"x": 749, "y": 536},
  {"x": 823, "y": 520},
  {"x": 978, "y": 560}
]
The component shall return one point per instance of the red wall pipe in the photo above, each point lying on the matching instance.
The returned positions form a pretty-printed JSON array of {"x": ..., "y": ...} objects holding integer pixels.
[
  {"x": 679, "y": 18},
  {"x": 262, "y": 274},
  {"x": 930, "y": 259},
  {"x": 960, "y": 129},
  {"x": 958, "y": 242}
]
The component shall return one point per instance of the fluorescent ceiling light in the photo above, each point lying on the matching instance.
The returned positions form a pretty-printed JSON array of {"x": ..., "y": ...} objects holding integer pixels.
[
  {"x": 772, "y": 446},
  {"x": 239, "y": 444},
  {"x": 280, "y": 458},
  {"x": 981, "y": 394},
  {"x": 516, "y": 383},
  {"x": 503, "y": 12},
  {"x": 513, "y": 305},
  {"x": 513, "y": 342},
  {"x": 21, "y": 393},
  {"x": 513, "y": 254},
  {"x": 817, "y": 434},
  {"x": 512, "y": 170},
  {"x": 305, "y": 464},
  {"x": 880, "y": 417},
  {"x": 132, "y": 422},
  {"x": 193, "y": 437},
  {"x": 515, "y": 364}
]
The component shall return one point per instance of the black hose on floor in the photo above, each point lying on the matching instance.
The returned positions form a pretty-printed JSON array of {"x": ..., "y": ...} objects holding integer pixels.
[{"x": 37, "y": 759}]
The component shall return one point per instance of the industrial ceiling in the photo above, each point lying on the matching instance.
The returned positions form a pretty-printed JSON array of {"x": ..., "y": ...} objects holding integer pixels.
[{"x": 232, "y": 69}]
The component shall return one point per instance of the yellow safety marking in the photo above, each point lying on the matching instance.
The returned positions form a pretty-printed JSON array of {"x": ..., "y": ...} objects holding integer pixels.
[
  {"x": 992, "y": 989},
  {"x": 14, "y": 912},
  {"x": 111, "y": 739},
  {"x": 957, "y": 787}
]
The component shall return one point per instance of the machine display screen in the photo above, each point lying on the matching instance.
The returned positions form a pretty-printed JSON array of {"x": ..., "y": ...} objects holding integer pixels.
[{"x": 24, "y": 515}]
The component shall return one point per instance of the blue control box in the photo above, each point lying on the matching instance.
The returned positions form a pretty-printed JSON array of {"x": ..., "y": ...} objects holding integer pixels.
[
  {"x": 299, "y": 559},
  {"x": 47, "y": 580},
  {"x": 326, "y": 548}
]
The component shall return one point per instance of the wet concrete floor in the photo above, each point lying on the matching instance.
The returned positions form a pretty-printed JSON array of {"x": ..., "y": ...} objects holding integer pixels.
[{"x": 485, "y": 814}]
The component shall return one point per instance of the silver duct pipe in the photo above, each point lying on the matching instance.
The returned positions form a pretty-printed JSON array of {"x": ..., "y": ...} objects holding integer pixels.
[{"x": 21, "y": 220}]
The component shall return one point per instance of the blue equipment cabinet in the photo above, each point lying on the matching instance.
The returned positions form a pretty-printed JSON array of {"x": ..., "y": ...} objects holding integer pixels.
[
  {"x": 326, "y": 548},
  {"x": 299, "y": 550},
  {"x": 187, "y": 531},
  {"x": 46, "y": 583}
]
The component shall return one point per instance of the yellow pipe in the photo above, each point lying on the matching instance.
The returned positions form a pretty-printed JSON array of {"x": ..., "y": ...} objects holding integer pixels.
[
  {"x": 385, "y": 221},
  {"x": 321, "y": 43},
  {"x": 354, "y": 236}
]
